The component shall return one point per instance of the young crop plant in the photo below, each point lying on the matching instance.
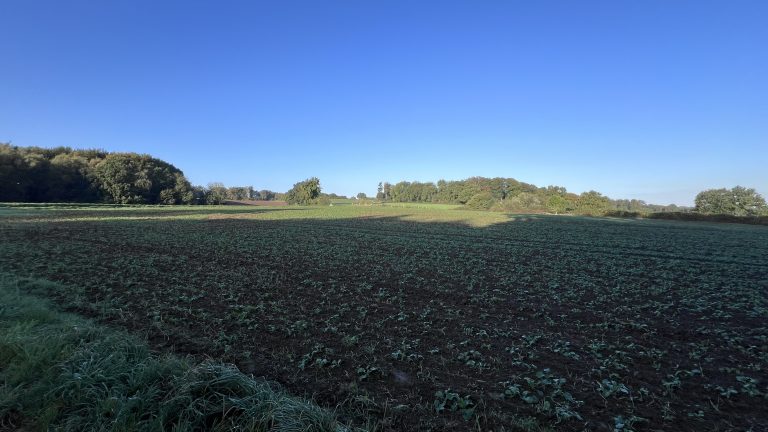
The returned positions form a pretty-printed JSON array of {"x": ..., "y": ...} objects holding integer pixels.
[
  {"x": 447, "y": 400},
  {"x": 319, "y": 358},
  {"x": 407, "y": 353},
  {"x": 672, "y": 383},
  {"x": 749, "y": 386},
  {"x": 564, "y": 348},
  {"x": 544, "y": 391},
  {"x": 298, "y": 327},
  {"x": 610, "y": 388},
  {"x": 627, "y": 424},
  {"x": 472, "y": 358},
  {"x": 368, "y": 372}
]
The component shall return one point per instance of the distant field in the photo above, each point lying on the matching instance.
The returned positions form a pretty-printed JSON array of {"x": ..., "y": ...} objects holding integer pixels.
[
  {"x": 427, "y": 206},
  {"x": 257, "y": 203},
  {"x": 432, "y": 318}
]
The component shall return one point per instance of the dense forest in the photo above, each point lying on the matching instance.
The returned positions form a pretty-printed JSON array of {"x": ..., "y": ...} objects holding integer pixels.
[{"x": 61, "y": 174}]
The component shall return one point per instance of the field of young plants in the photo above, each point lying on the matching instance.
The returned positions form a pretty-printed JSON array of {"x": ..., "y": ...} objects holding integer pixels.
[{"x": 420, "y": 318}]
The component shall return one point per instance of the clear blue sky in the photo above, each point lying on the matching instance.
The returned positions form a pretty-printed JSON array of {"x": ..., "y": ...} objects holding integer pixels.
[{"x": 653, "y": 100}]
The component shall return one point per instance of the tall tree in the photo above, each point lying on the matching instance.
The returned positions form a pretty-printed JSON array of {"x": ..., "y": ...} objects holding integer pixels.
[{"x": 384, "y": 191}]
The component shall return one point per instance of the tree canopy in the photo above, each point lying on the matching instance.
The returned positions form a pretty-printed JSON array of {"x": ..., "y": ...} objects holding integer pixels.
[
  {"x": 34, "y": 174},
  {"x": 61, "y": 174},
  {"x": 304, "y": 192},
  {"x": 739, "y": 201},
  {"x": 130, "y": 178}
]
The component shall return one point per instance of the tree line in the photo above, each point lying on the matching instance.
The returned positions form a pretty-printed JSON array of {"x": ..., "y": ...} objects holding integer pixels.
[
  {"x": 510, "y": 195},
  {"x": 217, "y": 193},
  {"x": 34, "y": 174},
  {"x": 61, "y": 174}
]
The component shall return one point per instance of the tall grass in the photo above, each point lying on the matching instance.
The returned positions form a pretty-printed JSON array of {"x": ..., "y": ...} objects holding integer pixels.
[{"x": 62, "y": 372}]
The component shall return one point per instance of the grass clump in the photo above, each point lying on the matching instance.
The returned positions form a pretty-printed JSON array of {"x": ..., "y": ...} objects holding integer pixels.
[{"x": 62, "y": 372}]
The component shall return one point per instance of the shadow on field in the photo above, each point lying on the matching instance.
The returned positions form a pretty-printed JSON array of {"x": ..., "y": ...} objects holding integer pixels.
[{"x": 91, "y": 214}]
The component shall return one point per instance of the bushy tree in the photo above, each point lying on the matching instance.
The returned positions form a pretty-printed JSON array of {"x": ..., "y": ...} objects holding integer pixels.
[
  {"x": 216, "y": 193},
  {"x": 130, "y": 178},
  {"x": 592, "y": 203},
  {"x": 522, "y": 202},
  {"x": 481, "y": 201},
  {"x": 304, "y": 192},
  {"x": 739, "y": 201},
  {"x": 557, "y": 204},
  {"x": 181, "y": 193}
]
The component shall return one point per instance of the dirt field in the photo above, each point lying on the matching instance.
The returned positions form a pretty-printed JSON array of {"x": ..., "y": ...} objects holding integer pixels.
[{"x": 434, "y": 319}]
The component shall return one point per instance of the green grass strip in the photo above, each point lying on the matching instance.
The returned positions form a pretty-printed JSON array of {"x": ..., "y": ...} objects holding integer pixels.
[{"x": 62, "y": 372}]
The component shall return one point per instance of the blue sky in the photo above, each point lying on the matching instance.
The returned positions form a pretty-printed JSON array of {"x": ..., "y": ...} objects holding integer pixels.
[{"x": 654, "y": 100}]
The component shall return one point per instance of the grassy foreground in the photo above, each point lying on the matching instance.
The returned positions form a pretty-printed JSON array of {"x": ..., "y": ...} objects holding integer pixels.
[{"x": 62, "y": 372}]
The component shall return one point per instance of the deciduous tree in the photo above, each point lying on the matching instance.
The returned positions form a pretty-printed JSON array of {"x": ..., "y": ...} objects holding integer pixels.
[
  {"x": 304, "y": 192},
  {"x": 739, "y": 201}
]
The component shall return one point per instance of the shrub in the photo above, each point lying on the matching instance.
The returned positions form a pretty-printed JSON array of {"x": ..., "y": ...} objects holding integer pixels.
[{"x": 481, "y": 201}]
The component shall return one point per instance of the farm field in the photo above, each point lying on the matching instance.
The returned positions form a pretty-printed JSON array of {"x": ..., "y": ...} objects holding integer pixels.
[{"x": 432, "y": 318}]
